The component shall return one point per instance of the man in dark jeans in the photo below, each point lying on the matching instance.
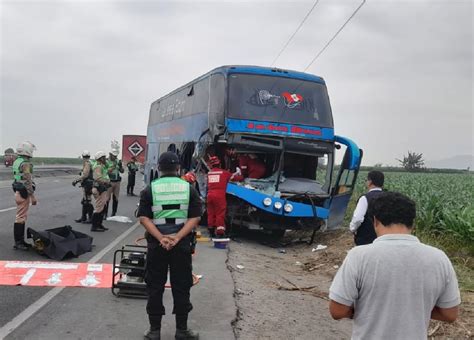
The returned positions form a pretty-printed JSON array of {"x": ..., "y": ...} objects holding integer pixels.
[
  {"x": 170, "y": 208},
  {"x": 362, "y": 221}
]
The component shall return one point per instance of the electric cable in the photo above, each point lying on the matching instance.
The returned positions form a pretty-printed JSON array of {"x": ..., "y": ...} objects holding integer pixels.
[
  {"x": 294, "y": 33},
  {"x": 335, "y": 35}
]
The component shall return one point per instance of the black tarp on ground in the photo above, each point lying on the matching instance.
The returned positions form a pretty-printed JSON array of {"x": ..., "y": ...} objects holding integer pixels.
[{"x": 58, "y": 243}]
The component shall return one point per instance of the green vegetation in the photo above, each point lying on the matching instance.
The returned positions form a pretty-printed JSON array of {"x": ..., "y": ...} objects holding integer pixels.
[
  {"x": 52, "y": 160},
  {"x": 445, "y": 213}
]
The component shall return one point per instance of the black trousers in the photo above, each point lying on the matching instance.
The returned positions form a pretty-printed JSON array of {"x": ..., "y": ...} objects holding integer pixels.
[{"x": 178, "y": 261}]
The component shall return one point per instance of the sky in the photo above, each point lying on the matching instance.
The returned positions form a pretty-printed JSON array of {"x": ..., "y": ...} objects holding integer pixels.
[{"x": 75, "y": 75}]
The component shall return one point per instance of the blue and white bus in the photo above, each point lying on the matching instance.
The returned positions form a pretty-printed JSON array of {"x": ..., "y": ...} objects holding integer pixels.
[{"x": 284, "y": 118}]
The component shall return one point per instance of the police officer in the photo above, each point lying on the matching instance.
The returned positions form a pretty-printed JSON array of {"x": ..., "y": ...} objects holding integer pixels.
[
  {"x": 99, "y": 190},
  {"x": 24, "y": 189},
  {"x": 87, "y": 181},
  {"x": 169, "y": 210},
  {"x": 132, "y": 169},
  {"x": 115, "y": 168}
]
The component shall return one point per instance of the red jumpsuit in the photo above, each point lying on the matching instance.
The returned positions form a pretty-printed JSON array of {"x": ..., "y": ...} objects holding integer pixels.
[
  {"x": 217, "y": 180},
  {"x": 251, "y": 168}
]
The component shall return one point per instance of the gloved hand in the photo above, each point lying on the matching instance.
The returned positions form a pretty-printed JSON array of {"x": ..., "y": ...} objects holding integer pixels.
[{"x": 238, "y": 171}]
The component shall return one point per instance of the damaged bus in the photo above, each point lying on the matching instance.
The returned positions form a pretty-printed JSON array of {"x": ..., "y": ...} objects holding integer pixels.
[{"x": 283, "y": 119}]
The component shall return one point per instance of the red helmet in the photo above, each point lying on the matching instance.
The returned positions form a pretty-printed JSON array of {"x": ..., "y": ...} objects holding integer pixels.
[
  {"x": 189, "y": 177},
  {"x": 214, "y": 161}
]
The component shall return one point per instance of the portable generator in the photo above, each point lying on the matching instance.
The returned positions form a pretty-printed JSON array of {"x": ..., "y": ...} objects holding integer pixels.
[{"x": 128, "y": 275}]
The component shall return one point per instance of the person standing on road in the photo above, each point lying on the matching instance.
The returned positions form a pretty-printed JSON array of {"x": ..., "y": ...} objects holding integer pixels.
[
  {"x": 170, "y": 208},
  {"x": 115, "y": 168},
  {"x": 362, "y": 221},
  {"x": 132, "y": 170},
  {"x": 87, "y": 180},
  {"x": 99, "y": 191},
  {"x": 217, "y": 179},
  {"x": 392, "y": 287},
  {"x": 24, "y": 189}
]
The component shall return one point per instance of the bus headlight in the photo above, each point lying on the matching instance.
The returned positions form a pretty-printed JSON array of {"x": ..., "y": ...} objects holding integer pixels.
[
  {"x": 277, "y": 205},
  {"x": 267, "y": 201},
  {"x": 288, "y": 208}
]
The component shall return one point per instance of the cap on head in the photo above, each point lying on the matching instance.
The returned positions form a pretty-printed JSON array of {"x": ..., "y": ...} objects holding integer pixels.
[
  {"x": 86, "y": 153},
  {"x": 25, "y": 149},
  {"x": 168, "y": 158},
  {"x": 99, "y": 154},
  {"x": 114, "y": 153}
]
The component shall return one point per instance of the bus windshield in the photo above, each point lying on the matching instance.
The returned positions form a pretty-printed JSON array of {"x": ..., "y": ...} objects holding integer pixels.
[{"x": 278, "y": 99}]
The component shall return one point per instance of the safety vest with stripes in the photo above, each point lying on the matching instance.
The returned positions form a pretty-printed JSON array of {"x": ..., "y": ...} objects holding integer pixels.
[{"x": 170, "y": 191}]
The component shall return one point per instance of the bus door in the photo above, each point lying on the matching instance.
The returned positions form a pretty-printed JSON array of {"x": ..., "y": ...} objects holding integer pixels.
[{"x": 345, "y": 182}]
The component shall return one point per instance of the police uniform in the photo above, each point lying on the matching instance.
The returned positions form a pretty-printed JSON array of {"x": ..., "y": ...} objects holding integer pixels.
[
  {"x": 115, "y": 169},
  {"x": 24, "y": 189},
  {"x": 169, "y": 201},
  {"x": 132, "y": 169},
  {"x": 99, "y": 191},
  {"x": 87, "y": 181}
]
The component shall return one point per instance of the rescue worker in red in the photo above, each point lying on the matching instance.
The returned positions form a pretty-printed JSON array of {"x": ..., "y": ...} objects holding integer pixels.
[
  {"x": 251, "y": 167},
  {"x": 217, "y": 179}
]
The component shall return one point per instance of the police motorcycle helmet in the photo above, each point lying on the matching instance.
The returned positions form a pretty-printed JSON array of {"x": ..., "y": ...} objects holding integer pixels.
[
  {"x": 86, "y": 154},
  {"x": 99, "y": 154},
  {"x": 25, "y": 149}
]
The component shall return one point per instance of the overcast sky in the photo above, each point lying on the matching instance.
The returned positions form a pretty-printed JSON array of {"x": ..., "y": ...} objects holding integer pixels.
[{"x": 77, "y": 74}]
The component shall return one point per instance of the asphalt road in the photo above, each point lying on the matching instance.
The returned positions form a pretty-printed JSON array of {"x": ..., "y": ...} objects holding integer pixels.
[{"x": 94, "y": 313}]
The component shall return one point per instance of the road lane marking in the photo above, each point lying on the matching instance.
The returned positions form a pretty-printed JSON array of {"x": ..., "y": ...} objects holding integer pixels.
[
  {"x": 7, "y": 209},
  {"x": 46, "y": 298}
]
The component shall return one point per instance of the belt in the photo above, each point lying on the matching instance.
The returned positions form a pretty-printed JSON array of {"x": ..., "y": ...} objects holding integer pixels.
[{"x": 170, "y": 228}]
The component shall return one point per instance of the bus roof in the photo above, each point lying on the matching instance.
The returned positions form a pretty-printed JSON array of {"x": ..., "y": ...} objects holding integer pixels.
[{"x": 247, "y": 69}]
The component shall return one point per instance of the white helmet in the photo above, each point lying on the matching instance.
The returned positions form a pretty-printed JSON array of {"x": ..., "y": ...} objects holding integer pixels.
[
  {"x": 114, "y": 152},
  {"x": 99, "y": 154},
  {"x": 86, "y": 153},
  {"x": 25, "y": 149}
]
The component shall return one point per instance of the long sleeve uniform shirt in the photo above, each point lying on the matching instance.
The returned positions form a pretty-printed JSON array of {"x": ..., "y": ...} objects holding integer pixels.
[{"x": 360, "y": 211}]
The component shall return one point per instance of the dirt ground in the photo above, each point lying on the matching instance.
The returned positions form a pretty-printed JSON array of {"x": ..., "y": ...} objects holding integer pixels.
[{"x": 281, "y": 290}]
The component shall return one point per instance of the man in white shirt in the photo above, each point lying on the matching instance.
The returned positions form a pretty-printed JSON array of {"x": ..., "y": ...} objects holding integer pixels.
[
  {"x": 394, "y": 286},
  {"x": 361, "y": 224}
]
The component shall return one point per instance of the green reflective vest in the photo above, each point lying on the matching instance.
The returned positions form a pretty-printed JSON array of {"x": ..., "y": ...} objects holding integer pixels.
[
  {"x": 17, "y": 173},
  {"x": 105, "y": 174},
  {"x": 115, "y": 174},
  {"x": 168, "y": 191}
]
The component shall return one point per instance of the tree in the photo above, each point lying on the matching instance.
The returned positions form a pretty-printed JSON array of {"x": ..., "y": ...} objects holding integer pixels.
[{"x": 413, "y": 161}]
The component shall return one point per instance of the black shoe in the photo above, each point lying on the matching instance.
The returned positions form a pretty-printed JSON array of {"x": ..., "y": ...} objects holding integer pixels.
[
  {"x": 88, "y": 221},
  {"x": 100, "y": 219},
  {"x": 21, "y": 245},
  {"x": 187, "y": 334},
  {"x": 97, "y": 229},
  {"x": 152, "y": 335},
  {"x": 80, "y": 220}
]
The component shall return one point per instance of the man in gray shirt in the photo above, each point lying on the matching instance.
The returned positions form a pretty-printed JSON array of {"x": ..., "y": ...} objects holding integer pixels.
[{"x": 392, "y": 287}]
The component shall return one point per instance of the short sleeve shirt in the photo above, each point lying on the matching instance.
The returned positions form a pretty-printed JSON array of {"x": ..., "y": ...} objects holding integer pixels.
[{"x": 394, "y": 284}]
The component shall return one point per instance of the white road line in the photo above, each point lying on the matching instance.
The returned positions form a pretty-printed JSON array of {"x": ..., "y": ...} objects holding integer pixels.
[
  {"x": 46, "y": 298},
  {"x": 7, "y": 209}
]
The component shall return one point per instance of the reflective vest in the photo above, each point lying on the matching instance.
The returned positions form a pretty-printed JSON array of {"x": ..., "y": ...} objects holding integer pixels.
[
  {"x": 115, "y": 174},
  {"x": 105, "y": 174},
  {"x": 17, "y": 172},
  {"x": 170, "y": 191}
]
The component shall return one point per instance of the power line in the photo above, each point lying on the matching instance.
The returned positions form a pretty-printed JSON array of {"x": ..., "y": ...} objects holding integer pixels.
[
  {"x": 293, "y": 35},
  {"x": 335, "y": 35}
]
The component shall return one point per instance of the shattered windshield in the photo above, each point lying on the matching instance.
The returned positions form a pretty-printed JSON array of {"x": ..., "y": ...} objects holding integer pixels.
[{"x": 278, "y": 99}]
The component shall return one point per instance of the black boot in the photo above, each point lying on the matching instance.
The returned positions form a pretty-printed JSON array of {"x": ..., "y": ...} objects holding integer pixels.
[
  {"x": 182, "y": 330},
  {"x": 101, "y": 225},
  {"x": 114, "y": 206},
  {"x": 19, "y": 237},
  {"x": 155, "y": 328},
  {"x": 131, "y": 191},
  {"x": 96, "y": 222},
  {"x": 89, "y": 212},
  {"x": 84, "y": 212}
]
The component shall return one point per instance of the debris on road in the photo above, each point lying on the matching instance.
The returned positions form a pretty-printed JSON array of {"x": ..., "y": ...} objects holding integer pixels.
[
  {"x": 239, "y": 266},
  {"x": 121, "y": 219},
  {"x": 282, "y": 251},
  {"x": 319, "y": 247}
]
